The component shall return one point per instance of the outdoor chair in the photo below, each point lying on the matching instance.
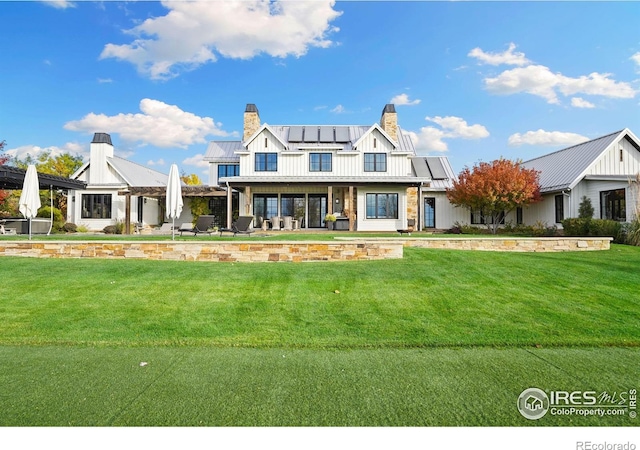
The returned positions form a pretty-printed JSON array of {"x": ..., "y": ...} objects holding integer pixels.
[
  {"x": 204, "y": 224},
  {"x": 240, "y": 226},
  {"x": 411, "y": 223}
]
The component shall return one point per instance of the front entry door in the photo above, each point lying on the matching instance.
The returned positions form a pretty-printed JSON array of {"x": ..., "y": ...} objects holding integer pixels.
[
  {"x": 317, "y": 210},
  {"x": 430, "y": 212}
]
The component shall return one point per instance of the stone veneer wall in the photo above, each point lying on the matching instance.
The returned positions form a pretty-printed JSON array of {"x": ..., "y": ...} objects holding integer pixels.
[
  {"x": 238, "y": 251},
  {"x": 550, "y": 244}
]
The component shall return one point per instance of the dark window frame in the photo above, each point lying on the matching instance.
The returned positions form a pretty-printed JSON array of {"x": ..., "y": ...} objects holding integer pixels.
[
  {"x": 478, "y": 219},
  {"x": 324, "y": 162},
  {"x": 613, "y": 204},
  {"x": 228, "y": 170},
  {"x": 391, "y": 207},
  {"x": 559, "y": 207},
  {"x": 96, "y": 206},
  {"x": 266, "y": 162},
  {"x": 375, "y": 162}
]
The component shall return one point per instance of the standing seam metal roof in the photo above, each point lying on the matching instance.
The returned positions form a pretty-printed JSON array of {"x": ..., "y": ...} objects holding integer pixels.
[{"x": 561, "y": 169}]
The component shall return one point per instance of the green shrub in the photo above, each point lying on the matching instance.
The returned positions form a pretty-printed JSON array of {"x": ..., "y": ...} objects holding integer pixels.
[
  {"x": 594, "y": 227},
  {"x": 585, "y": 210},
  {"x": 632, "y": 233},
  {"x": 58, "y": 220},
  {"x": 82, "y": 229},
  {"x": 110, "y": 229},
  {"x": 542, "y": 229},
  {"x": 70, "y": 227}
]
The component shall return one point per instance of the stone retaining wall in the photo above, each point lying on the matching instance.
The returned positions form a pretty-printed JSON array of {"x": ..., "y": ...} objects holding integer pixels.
[
  {"x": 226, "y": 251},
  {"x": 543, "y": 244}
]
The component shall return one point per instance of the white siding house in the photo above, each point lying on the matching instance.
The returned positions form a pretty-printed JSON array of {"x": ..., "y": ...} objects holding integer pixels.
[
  {"x": 100, "y": 205},
  {"x": 362, "y": 174},
  {"x": 603, "y": 169}
]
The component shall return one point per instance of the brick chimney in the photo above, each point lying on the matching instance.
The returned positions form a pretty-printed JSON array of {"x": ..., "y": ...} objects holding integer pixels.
[
  {"x": 389, "y": 121},
  {"x": 251, "y": 121},
  {"x": 101, "y": 149}
]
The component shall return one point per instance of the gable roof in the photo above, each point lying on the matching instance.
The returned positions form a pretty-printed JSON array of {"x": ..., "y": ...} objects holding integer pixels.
[
  {"x": 565, "y": 168},
  {"x": 135, "y": 174},
  {"x": 223, "y": 151},
  {"x": 13, "y": 178}
]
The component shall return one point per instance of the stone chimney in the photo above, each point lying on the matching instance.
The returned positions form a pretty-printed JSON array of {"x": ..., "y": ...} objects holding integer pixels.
[
  {"x": 101, "y": 149},
  {"x": 251, "y": 121},
  {"x": 389, "y": 121}
]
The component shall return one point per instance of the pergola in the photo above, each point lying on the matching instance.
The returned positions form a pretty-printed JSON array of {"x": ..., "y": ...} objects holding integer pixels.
[
  {"x": 161, "y": 191},
  {"x": 12, "y": 178}
]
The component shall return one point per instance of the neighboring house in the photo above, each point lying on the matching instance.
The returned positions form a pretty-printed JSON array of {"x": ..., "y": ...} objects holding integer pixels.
[
  {"x": 369, "y": 176},
  {"x": 100, "y": 204},
  {"x": 602, "y": 169}
]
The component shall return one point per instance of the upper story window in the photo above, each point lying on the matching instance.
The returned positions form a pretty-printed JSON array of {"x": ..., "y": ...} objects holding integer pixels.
[
  {"x": 266, "y": 162},
  {"x": 96, "y": 206},
  {"x": 375, "y": 162},
  {"x": 320, "y": 162},
  {"x": 228, "y": 170}
]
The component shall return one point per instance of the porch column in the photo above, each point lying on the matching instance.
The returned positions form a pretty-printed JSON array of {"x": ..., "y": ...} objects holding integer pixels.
[
  {"x": 351, "y": 211},
  {"x": 229, "y": 206},
  {"x": 420, "y": 217},
  {"x": 329, "y": 199},
  {"x": 247, "y": 201},
  {"x": 127, "y": 213}
]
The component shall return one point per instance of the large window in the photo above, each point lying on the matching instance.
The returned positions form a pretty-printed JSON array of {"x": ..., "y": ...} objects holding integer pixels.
[
  {"x": 96, "y": 206},
  {"x": 265, "y": 206},
  {"x": 266, "y": 162},
  {"x": 559, "y": 208},
  {"x": 613, "y": 205},
  {"x": 293, "y": 205},
  {"x": 375, "y": 162},
  {"x": 430, "y": 212},
  {"x": 228, "y": 170},
  {"x": 320, "y": 162},
  {"x": 382, "y": 206},
  {"x": 478, "y": 219}
]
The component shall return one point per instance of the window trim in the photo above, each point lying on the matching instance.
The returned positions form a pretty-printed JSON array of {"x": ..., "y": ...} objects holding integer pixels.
[
  {"x": 108, "y": 205},
  {"x": 227, "y": 167},
  {"x": 619, "y": 204},
  {"x": 259, "y": 166},
  {"x": 379, "y": 162},
  {"x": 394, "y": 213},
  {"x": 321, "y": 162},
  {"x": 478, "y": 219}
]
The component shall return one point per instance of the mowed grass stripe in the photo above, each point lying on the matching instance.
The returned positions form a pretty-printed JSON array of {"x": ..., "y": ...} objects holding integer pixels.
[
  {"x": 430, "y": 298},
  {"x": 62, "y": 386}
]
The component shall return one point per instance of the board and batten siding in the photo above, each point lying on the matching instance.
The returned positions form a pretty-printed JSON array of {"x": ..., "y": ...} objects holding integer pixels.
[
  {"x": 609, "y": 162},
  {"x": 344, "y": 164}
]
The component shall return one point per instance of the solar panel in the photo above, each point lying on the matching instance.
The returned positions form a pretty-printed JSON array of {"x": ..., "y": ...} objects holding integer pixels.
[
  {"x": 295, "y": 134},
  {"x": 326, "y": 134},
  {"x": 436, "y": 168},
  {"x": 342, "y": 134},
  {"x": 310, "y": 134}
]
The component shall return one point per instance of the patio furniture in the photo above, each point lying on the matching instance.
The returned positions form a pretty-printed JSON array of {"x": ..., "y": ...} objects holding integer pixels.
[
  {"x": 275, "y": 223},
  {"x": 411, "y": 223},
  {"x": 288, "y": 223},
  {"x": 204, "y": 224},
  {"x": 240, "y": 226}
]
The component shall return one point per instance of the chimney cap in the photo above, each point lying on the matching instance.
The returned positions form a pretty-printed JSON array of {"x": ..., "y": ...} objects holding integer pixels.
[
  {"x": 389, "y": 108},
  {"x": 101, "y": 138},
  {"x": 251, "y": 108}
]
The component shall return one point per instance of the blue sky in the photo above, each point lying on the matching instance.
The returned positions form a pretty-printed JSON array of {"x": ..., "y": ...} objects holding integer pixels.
[{"x": 470, "y": 80}]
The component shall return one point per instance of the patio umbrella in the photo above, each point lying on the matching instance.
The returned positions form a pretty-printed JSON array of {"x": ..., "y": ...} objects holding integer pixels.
[
  {"x": 30, "y": 197},
  {"x": 174, "y": 198}
]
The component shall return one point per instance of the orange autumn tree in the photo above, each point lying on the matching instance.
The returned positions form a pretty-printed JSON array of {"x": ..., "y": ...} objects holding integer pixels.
[{"x": 494, "y": 189}]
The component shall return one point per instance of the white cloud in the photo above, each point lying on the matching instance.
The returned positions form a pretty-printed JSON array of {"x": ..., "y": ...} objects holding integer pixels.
[
  {"x": 495, "y": 59},
  {"x": 540, "y": 81},
  {"x": 105, "y": 80},
  {"x": 548, "y": 138},
  {"x": 636, "y": 58},
  {"x": 159, "y": 162},
  {"x": 159, "y": 124},
  {"x": 339, "y": 110},
  {"x": 578, "y": 102},
  {"x": 196, "y": 160},
  {"x": 195, "y": 33},
  {"x": 73, "y": 148},
  {"x": 59, "y": 4},
  {"x": 451, "y": 127},
  {"x": 403, "y": 99}
]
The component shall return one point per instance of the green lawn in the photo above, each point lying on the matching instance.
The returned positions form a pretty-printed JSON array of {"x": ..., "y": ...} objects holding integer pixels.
[{"x": 437, "y": 338}]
